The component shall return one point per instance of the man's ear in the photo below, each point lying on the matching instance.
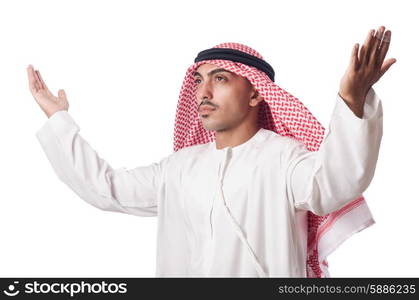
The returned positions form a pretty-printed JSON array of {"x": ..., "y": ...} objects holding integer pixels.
[{"x": 256, "y": 98}]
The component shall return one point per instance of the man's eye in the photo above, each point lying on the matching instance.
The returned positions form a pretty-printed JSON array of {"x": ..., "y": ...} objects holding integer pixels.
[{"x": 217, "y": 78}]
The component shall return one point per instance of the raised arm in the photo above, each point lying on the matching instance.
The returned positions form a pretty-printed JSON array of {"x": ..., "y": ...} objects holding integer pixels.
[
  {"x": 79, "y": 166},
  {"x": 343, "y": 167}
]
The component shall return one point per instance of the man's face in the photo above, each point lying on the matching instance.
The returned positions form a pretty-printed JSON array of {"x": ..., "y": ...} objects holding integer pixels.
[{"x": 227, "y": 96}]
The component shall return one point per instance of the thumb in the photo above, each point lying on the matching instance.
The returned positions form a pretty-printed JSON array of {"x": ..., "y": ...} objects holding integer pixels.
[
  {"x": 62, "y": 95},
  {"x": 386, "y": 65}
]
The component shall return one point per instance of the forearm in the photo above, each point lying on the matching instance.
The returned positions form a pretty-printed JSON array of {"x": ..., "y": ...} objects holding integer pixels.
[{"x": 79, "y": 166}]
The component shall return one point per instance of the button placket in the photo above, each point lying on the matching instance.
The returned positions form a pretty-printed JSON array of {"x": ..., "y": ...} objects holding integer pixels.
[
  {"x": 217, "y": 195},
  {"x": 214, "y": 206}
]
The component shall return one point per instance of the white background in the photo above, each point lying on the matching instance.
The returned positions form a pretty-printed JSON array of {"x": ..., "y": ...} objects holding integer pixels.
[{"x": 122, "y": 63}]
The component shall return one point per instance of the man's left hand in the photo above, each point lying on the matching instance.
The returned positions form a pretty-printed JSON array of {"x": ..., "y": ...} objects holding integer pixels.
[{"x": 365, "y": 68}]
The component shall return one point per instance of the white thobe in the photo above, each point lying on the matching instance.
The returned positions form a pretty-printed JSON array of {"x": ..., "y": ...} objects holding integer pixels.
[{"x": 233, "y": 212}]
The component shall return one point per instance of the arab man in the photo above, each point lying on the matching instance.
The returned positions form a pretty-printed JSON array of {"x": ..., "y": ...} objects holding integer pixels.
[{"x": 254, "y": 187}]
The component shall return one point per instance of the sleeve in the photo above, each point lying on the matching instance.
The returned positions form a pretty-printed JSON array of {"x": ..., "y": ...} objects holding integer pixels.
[
  {"x": 78, "y": 165},
  {"x": 324, "y": 181}
]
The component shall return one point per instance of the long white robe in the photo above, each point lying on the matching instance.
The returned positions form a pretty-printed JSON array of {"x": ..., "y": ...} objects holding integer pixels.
[{"x": 233, "y": 212}]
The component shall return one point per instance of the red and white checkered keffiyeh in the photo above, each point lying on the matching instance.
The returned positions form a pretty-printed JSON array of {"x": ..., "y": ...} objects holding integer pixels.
[{"x": 286, "y": 115}]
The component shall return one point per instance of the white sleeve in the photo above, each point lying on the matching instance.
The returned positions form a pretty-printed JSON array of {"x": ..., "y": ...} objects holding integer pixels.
[
  {"x": 79, "y": 166},
  {"x": 324, "y": 181}
]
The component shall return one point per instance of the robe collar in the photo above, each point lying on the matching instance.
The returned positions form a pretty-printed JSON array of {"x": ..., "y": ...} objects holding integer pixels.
[{"x": 257, "y": 137}]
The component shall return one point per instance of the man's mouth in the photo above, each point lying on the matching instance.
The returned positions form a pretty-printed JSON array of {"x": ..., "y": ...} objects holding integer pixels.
[{"x": 206, "y": 109}]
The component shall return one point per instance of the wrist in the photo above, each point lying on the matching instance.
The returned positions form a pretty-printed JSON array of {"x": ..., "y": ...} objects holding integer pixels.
[{"x": 354, "y": 103}]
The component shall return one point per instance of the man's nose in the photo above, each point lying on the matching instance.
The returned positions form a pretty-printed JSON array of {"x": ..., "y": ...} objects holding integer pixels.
[{"x": 204, "y": 91}]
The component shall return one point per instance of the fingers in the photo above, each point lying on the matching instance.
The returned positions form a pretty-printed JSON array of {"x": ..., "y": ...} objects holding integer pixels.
[
  {"x": 33, "y": 81},
  {"x": 41, "y": 81},
  {"x": 385, "y": 44},
  {"x": 354, "y": 57},
  {"x": 366, "y": 48},
  {"x": 44, "y": 86},
  {"x": 374, "y": 55},
  {"x": 375, "y": 48},
  {"x": 38, "y": 82}
]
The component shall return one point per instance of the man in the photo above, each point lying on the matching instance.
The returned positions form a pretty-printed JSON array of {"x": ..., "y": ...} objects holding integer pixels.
[{"x": 251, "y": 189}]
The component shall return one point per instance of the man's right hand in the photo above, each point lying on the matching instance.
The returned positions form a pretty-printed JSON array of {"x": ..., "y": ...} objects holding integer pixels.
[{"x": 46, "y": 100}]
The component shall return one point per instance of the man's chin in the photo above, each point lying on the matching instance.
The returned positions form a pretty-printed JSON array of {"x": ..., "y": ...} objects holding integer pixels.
[
  {"x": 213, "y": 127},
  {"x": 209, "y": 127}
]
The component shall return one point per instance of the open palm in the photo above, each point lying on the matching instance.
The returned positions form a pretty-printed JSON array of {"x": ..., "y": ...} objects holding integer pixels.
[{"x": 43, "y": 96}]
